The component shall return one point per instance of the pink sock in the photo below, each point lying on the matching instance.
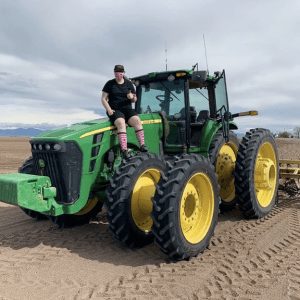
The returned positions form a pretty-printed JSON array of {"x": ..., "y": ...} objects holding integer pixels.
[
  {"x": 122, "y": 136},
  {"x": 140, "y": 136}
]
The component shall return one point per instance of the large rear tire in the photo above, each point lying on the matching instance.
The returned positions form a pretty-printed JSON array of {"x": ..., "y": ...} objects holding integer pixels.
[
  {"x": 129, "y": 199},
  {"x": 257, "y": 173},
  {"x": 186, "y": 207},
  {"x": 223, "y": 157},
  {"x": 27, "y": 168}
]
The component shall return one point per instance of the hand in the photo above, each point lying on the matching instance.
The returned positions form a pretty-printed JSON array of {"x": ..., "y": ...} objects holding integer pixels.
[
  {"x": 132, "y": 97},
  {"x": 110, "y": 112}
]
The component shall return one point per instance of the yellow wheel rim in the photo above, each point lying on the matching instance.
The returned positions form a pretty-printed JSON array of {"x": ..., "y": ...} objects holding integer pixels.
[
  {"x": 196, "y": 208},
  {"x": 88, "y": 207},
  {"x": 265, "y": 174},
  {"x": 141, "y": 200},
  {"x": 225, "y": 165}
]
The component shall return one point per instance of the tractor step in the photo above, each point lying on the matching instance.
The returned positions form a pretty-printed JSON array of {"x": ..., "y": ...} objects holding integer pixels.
[{"x": 28, "y": 191}]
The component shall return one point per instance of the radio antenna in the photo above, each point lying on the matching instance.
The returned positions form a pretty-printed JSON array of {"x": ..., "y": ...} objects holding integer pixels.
[
  {"x": 194, "y": 67},
  {"x": 205, "y": 53},
  {"x": 166, "y": 53}
]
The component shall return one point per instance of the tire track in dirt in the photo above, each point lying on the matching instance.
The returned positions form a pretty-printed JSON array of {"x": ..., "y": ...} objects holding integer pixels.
[
  {"x": 28, "y": 244},
  {"x": 242, "y": 263},
  {"x": 46, "y": 242},
  {"x": 294, "y": 260}
]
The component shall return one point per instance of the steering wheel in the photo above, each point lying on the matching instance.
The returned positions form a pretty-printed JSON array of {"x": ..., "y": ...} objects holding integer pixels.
[{"x": 159, "y": 98}]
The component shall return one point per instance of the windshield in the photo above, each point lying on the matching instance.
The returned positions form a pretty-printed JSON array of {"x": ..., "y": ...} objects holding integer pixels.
[{"x": 167, "y": 96}]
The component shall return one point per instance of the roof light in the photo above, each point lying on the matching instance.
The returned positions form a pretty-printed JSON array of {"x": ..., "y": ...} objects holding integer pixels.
[{"x": 180, "y": 74}]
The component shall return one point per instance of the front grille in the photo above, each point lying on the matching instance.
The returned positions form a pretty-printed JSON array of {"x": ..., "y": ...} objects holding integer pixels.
[{"x": 62, "y": 162}]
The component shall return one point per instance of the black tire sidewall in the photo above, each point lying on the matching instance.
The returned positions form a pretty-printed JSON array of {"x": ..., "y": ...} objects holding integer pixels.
[
  {"x": 125, "y": 228},
  {"x": 218, "y": 142}
]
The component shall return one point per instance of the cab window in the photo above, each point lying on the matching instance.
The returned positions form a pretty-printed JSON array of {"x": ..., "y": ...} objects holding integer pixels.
[
  {"x": 221, "y": 95},
  {"x": 198, "y": 96}
]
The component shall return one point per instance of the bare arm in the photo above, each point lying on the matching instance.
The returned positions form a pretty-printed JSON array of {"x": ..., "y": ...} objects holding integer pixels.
[{"x": 104, "y": 101}]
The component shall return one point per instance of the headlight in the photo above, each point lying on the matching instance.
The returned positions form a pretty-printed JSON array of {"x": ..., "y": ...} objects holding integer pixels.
[
  {"x": 57, "y": 147},
  {"x": 40, "y": 147},
  {"x": 47, "y": 147}
]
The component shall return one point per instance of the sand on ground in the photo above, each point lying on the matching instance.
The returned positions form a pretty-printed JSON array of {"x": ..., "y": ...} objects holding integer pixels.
[{"x": 247, "y": 259}]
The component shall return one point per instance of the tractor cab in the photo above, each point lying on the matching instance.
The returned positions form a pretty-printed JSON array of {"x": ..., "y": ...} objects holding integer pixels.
[{"x": 186, "y": 100}]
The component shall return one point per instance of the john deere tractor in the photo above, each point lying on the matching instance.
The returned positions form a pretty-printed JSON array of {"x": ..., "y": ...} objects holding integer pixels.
[{"x": 172, "y": 194}]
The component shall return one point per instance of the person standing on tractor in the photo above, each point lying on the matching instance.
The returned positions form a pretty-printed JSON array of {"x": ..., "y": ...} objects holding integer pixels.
[{"x": 117, "y": 96}]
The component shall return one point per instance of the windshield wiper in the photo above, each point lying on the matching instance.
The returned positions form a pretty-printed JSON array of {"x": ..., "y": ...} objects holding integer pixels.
[
  {"x": 201, "y": 94},
  {"x": 169, "y": 90}
]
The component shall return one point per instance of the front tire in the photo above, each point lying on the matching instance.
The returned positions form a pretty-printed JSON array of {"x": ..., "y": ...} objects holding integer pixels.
[
  {"x": 257, "y": 173},
  {"x": 186, "y": 207},
  {"x": 88, "y": 212},
  {"x": 129, "y": 199}
]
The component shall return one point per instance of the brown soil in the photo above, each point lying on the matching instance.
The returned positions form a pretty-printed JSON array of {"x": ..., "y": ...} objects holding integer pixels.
[
  {"x": 247, "y": 259},
  {"x": 288, "y": 148}
]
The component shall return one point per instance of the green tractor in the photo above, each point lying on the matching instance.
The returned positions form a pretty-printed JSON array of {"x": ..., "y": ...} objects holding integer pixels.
[{"x": 172, "y": 194}]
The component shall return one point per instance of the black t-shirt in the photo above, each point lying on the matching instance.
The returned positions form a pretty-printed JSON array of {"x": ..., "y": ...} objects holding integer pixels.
[{"x": 118, "y": 93}]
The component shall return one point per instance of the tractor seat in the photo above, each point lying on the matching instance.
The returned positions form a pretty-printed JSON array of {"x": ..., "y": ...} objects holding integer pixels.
[
  {"x": 203, "y": 116},
  {"x": 193, "y": 114}
]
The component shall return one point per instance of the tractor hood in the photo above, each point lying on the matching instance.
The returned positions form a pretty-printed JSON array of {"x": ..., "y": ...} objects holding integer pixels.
[{"x": 75, "y": 131}]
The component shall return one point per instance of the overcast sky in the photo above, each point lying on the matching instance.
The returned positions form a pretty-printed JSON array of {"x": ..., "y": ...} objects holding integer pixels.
[{"x": 55, "y": 56}]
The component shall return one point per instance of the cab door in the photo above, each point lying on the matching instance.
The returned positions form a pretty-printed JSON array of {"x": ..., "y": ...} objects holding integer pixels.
[
  {"x": 221, "y": 95},
  {"x": 221, "y": 104}
]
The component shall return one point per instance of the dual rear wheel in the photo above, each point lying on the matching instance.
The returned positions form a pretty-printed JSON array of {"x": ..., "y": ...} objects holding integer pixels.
[
  {"x": 176, "y": 204},
  {"x": 247, "y": 171}
]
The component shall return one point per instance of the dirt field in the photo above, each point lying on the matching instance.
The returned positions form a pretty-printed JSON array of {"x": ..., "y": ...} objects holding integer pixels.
[{"x": 247, "y": 259}]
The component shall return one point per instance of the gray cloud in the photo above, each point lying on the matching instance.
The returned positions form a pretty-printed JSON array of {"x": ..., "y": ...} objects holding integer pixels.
[{"x": 57, "y": 55}]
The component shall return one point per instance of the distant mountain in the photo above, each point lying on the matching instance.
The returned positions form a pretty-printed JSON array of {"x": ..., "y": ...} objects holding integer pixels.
[{"x": 20, "y": 132}]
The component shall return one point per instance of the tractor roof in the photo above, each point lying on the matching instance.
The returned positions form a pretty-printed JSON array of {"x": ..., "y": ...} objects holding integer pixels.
[
  {"x": 163, "y": 75},
  {"x": 180, "y": 73}
]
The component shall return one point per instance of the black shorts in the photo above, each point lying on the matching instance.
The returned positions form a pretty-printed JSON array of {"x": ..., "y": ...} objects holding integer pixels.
[{"x": 125, "y": 113}]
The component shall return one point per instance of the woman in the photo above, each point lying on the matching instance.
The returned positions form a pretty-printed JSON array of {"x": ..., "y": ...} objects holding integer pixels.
[{"x": 117, "y": 96}]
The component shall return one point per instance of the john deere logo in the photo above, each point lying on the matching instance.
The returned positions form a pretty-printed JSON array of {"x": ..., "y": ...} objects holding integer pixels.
[{"x": 41, "y": 163}]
